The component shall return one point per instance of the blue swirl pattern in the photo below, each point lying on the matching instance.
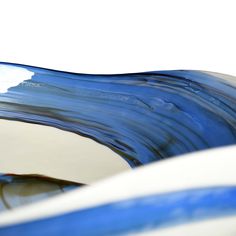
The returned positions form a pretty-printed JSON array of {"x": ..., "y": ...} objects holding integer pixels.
[{"x": 144, "y": 117}]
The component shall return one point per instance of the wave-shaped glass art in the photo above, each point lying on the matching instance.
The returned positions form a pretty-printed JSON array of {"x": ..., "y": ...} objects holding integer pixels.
[
  {"x": 143, "y": 117},
  {"x": 77, "y": 129}
]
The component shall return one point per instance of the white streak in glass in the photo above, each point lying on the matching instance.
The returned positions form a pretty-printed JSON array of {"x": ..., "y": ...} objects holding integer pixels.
[{"x": 11, "y": 76}]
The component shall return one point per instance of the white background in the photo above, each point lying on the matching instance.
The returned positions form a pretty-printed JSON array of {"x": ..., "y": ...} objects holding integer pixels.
[{"x": 106, "y": 36}]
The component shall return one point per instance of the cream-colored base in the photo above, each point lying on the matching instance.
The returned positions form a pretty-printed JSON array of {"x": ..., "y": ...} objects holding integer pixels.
[{"x": 36, "y": 149}]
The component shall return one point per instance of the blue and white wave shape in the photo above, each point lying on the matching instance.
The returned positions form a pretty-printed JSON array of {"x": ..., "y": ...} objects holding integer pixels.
[{"x": 143, "y": 117}]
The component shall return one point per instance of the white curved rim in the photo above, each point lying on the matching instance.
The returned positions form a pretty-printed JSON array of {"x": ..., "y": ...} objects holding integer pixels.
[{"x": 214, "y": 167}]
